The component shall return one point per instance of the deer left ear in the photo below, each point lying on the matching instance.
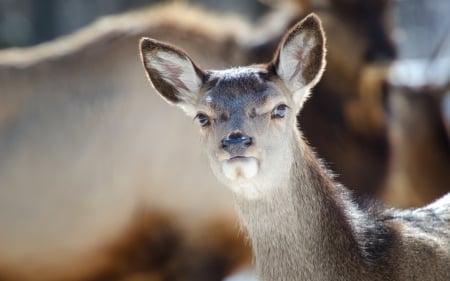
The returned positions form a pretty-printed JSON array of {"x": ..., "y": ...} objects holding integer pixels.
[
  {"x": 300, "y": 59},
  {"x": 172, "y": 73}
]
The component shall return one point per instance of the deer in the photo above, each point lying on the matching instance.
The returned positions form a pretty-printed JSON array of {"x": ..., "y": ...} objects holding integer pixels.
[{"x": 302, "y": 224}]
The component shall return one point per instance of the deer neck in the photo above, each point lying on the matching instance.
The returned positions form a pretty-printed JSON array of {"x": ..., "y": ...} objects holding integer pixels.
[{"x": 301, "y": 230}]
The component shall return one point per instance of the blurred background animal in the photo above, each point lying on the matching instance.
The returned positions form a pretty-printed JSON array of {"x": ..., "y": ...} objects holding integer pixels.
[{"x": 81, "y": 163}]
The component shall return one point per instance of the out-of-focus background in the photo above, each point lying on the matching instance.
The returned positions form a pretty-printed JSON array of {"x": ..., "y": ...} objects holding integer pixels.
[
  {"x": 101, "y": 180},
  {"x": 28, "y": 22}
]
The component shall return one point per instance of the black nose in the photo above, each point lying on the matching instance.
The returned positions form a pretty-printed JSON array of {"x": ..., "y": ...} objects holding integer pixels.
[{"x": 236, "y": 139}]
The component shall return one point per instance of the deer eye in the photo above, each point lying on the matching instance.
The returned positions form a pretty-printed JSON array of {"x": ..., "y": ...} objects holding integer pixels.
[
  {"x": 279, "y": 111},
  {"x": 203, "y": 119}
]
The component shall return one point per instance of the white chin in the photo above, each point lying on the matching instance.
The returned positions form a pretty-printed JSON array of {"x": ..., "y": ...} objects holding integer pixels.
[{"x": 242, "y": 168}]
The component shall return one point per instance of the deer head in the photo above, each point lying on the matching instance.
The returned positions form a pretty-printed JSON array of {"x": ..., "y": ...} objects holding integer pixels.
[{"x": 246, "y": 115}]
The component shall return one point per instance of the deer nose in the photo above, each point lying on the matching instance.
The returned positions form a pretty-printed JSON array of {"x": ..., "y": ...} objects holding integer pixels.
[{"x": 236, "y": 142}]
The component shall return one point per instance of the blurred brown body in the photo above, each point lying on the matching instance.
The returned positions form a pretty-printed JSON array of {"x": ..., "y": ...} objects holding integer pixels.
[
  {"x": 420, "y": 149},
  {"x": 81, "y": 163}
]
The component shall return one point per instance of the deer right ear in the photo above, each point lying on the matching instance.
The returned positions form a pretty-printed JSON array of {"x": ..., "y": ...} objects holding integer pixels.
[
  {"x": 300, "y": 59},
  {"x": 172, "y": 73}
]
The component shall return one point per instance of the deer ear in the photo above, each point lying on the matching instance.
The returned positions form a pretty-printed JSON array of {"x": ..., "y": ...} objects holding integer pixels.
[
  {"x": 300, "y": 59},
  {"x": 172, "y": 73}
]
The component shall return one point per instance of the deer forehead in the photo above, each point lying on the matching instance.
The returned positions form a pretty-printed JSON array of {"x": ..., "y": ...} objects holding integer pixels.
[{"x": 241, "y": 89}]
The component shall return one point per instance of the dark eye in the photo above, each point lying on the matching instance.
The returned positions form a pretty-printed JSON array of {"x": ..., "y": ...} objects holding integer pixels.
[
  {"x": 279, "y": 111},
  {"x": 203, "y": 119}
]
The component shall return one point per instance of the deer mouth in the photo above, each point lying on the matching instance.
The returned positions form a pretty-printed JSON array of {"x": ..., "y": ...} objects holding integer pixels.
[
  {"x": 238, "y": 158},
  {"x": 240, "y": 168}
]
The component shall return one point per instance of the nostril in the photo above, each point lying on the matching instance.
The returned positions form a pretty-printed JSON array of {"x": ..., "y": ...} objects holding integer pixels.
[
  {"x": 240, "y": 140},
  {"x": 248, "y": 142},
  {"x": 224, "y": 144}
]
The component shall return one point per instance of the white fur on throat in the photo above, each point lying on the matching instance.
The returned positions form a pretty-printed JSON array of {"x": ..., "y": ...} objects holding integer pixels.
[
  {"x": 240, "y": 169},
  {"x": 258, "y": 181},
  {"x": 243, "y": 177}
]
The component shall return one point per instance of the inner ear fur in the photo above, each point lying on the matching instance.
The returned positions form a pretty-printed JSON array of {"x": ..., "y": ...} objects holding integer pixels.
[
  {"x": 300, "y": 57},
  {"x": 176, "y": 89}
]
